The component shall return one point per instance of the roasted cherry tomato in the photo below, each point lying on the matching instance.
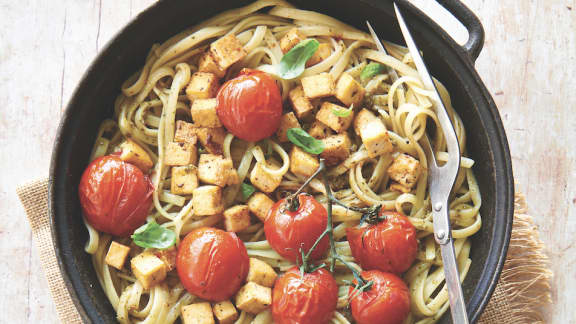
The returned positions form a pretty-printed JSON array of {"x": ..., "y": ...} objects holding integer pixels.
[
  {"x": 389, "y": 246},
  {"x": 386, "y": 302},
  {"x": 212, "y": 264},
  {"x": 115, "y": 195},
  {"x": 304, "y": 299},
  {"x": 289, "y": 231},
  {"x": 250, "y": 105}
]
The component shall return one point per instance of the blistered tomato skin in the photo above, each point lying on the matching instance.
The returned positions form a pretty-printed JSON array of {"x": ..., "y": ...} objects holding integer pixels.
[
  {"x": 386, "y": 302},
  {"x": 288, "y": 231},
  {"x": 115, "y": 196},
  {"x": 307, "y": 299},
  {"x": 388, "y": 246},
  {"x": 212, "y": 264},
  {"x": 250, "y": 105}
]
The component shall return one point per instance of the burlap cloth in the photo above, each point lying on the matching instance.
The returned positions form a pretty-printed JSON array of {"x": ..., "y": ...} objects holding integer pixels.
[{"x": 524, "y": 285}]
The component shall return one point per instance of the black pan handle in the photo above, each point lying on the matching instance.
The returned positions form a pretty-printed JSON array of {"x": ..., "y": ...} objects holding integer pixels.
[{"x": 475, "y": 30}]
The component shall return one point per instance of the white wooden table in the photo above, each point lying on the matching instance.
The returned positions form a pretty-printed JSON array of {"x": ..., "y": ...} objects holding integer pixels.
[{"x": 528, "y": 63}]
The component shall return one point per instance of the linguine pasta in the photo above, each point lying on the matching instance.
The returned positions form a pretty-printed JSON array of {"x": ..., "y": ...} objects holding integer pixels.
[{"x": 152, "y": 100}]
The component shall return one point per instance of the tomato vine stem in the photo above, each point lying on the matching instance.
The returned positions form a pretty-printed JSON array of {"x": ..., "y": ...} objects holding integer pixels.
[{"x": 362, "y": 284}]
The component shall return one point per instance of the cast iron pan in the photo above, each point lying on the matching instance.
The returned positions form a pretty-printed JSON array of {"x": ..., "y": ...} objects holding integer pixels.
[{"x": 93, "y": 101}]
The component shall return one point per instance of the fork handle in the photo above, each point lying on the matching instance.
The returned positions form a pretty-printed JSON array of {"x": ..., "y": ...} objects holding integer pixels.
[{"x": 455, "y": 295}]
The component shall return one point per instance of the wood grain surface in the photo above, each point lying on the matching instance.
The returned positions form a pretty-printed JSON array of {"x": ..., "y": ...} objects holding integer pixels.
[{"x": 528, "y": 63}]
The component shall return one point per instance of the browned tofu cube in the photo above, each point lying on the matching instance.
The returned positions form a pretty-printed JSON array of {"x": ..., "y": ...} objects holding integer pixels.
[
  {"x": 303, "y": 163},
  {"x": 207, "y": 63},
  {"x": 288, "y": 121},
  {"x": 291, "y": 39},
  {"x": 117, "y": 254},
  {"x": 318, "y": 86},
  {"x": 324, "y": 51},
  {"x": 373, "y": 133},
  {"x": 327, "y": 117},
  {"x": 264, "y": 180},
  {"x": 202, "y": 85},
  {"x": 227, "y": 51},
  {"x": 336, "y": 149},
  {"x": 148, "y": 269},
  {"x": 405, "y": 170},
  {"x": 200, "y": 313},
  {"x": 259, "y": 205},
  {"x": 185, "y": 133},
  {"x": 135, "y": 154},
  {"x": 168, "y": 256},
  {"x": 236, "y": 218},
  {"x": 253, "y": 298},
  {"x": 204, "y": 113},
  {"x": 180, "y": 153},
  {"x": 225, "y": 312},
  {"x": 216, "y": 170},
  {"x": 211, "y": 138},
  {"x": 301, "y": 105},
  {"x": 184, "y": 180},
  {"x": 319, "y": 130},
  {"x": 349, "y": 91},
  {"x": 207, "y": 200},
  {"x": 261, "y": 273}
]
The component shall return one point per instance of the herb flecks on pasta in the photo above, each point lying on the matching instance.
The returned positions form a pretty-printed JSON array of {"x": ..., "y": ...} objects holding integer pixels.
[{"x": 222, "y": 135}]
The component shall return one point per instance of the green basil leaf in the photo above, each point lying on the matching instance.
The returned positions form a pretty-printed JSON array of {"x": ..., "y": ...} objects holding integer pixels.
[
  {"x": 247, "y": 190},
  {"x": 300, "y": 138},
  {"x": 339, "y": 112},
  {"x": 293, "y": 63},
  {"x": 371, "y": 70},
  {"x": 152, "y": 235}
]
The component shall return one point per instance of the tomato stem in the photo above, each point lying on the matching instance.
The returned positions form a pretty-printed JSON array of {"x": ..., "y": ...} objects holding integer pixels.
[
  {"x": 292, "y": 200},
  {"x": 362, "y": 284}
]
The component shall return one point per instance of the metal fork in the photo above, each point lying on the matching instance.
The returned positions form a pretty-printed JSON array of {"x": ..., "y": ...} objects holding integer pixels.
[{"x": 440, "y": 181}]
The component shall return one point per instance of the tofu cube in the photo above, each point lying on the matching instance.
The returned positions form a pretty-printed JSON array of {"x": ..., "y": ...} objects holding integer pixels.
[
  {"x": 405, "y": 170},
  {"x": 327, "y": 117},
  {"x": 261, "y": 273},
  {"x": 168, "y": 256},
  {"x": 264, "y": 180},
  {"x": 373, "y": 133},
  {"x": 300, "y": 104},
  {"x": 225, "y": 312},
  {"x": 207, "y": 63},
  {"x": 336, "y": 149},
  {"x": 117, "y": 254},
  {"x": 211, "y": 138},
  {"x": 180, "y": 153},
  {"x": 291, "y": 39},
  {"x": 253, "y": 298},
  {"x": 135, "y": 154},
  {"x": 185, "y": 133},
  {"x": 203, "y": 85},
  {"x": 303, "y": 163},
  {"x": 287, "y": 121},
  {"x": 200, "y": 313},
  {"x": 227, "y": 51},
  {"x": 349, "y": 91},
  {"x": 236, "y": 218},
  {"x": 184, "y": 180},
  {"x": 148, "y": 269},
  {"x": 318, "y": 86},
  {"x": 259, "y": 204},
  {"x": 207, "y": 200},
  {"x": 216, "y": 170},
  {"x": 319, "y": 130},
  {"x": 204, "y": 113},
  {"x": 324, "y": 51}
]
